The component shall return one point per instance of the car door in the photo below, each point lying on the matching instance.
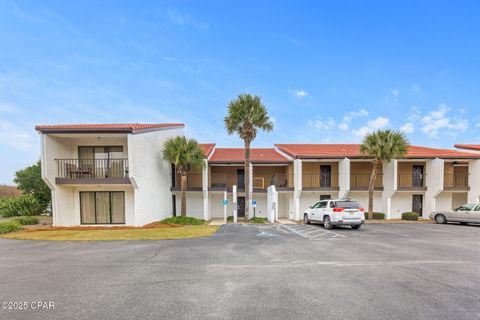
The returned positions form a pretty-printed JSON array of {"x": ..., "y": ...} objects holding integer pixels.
[
  {"x": 475, "y": 214},
  {"x": 462, "y": 213},
  {"x": 311, "y": 211},
  {"x": 320, "y": 211}
]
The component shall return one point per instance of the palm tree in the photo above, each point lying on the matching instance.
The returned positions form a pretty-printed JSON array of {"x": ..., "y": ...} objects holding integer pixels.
[
  {"x": 246, "y": 115},
  {"x": 382, "y": 146},
  {"x": 185, "y": 154}
]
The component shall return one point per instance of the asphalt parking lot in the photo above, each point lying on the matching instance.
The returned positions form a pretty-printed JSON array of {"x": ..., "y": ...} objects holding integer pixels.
[{"x": 388, "y": 271}]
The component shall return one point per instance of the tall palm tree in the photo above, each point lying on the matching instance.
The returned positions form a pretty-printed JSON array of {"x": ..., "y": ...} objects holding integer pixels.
[
  {"x": 246, "y": 115},
  {"x": 382, "y": 146},
  {"x": 185, "y": 154}
]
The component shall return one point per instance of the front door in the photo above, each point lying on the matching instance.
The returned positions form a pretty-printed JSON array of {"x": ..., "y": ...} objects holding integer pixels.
[
  {"x": 325, "y": 176},
  {"x": 241, "y": 207},
  {"x": 241, "y": 178},
  {"x": 417, "y": 176},
  {"x": 417, "y": 204}
]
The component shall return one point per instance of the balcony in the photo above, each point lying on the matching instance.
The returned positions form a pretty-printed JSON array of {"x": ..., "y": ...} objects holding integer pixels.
[
  {"x": 194, "y": 182},
  {"x": 92, "y": 171},
  {"x": 456, "y": 181},
  {"x": 281, "y": 181},
  {"x": 360, "y": 181},
  {"x": 320, "y": 182},
  {"x": 411, "y": 182},
  {"x": 225, "y": 182}
]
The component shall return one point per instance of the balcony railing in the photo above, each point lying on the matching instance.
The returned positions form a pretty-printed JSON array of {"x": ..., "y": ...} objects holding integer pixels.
[
  {"x": 92, "y": 169},
  {"x": 320, "y": 181},
  {"x": 456, "y": 181},
  {"x": 194, "y": 181},
  {"x": 360, "y": 181},
  {"x": 223, "y": 181},
  {"x": 279, "y": 180},
  {"x": 408, "y": 181}
]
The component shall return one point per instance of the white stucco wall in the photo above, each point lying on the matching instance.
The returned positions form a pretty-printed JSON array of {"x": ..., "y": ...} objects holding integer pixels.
[
  {"x": 434, "y": 170},
  {"x": 150, "y": 175},
  {"x": 474, "y": 181},
  {"x": 194, "y": 204},
  {"x": 401, "y": 202},
  {"x": 362, "y": 198},
  {"x": 458, "y": 199}
]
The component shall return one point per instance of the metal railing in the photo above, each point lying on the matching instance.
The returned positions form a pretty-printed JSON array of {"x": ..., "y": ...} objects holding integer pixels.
[
  {"x": 279, "y": 180},
  {"x": 456, "y": 180},
  {"x": 226, "y": 181},
  {"x": 113, "y": 168},
  {"x": 194, "y": 181},
  {"x": 319, "y": 180},
  {"x": 362, "y": 180},
  {"x": 411, "y": 181}
]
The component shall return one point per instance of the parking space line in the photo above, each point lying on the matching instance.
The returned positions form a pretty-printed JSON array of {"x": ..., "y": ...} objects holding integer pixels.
[
  {"x": 312, "y": 232},
  {"x": 397, "y": 233}
]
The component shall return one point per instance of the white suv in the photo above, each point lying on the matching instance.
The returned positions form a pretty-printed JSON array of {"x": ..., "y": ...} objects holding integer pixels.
[{"x": 339, "y": 212}]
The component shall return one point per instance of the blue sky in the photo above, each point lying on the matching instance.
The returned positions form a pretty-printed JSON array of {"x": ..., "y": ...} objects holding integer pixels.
[{"x": 328, "y": 71}]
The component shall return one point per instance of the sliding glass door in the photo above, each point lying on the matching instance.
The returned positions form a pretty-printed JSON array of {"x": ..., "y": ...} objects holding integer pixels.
[
  {"x": 103, "y": 161},
  {"x": 102, "y": 207}
]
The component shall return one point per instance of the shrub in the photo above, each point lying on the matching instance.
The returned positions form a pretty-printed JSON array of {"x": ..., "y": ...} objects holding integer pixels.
[
  {"x": 26, "y": 220},
  {"x": 25, "y": 205},
  {"x": 230, "y": 219},
  {"x": 413, "y": 216},
  {"x": 183, "y": 220},
  {"x": 376, "y": 215},
  {"x": 258, "y": 220},
  {"x": 9, "y": 226}
]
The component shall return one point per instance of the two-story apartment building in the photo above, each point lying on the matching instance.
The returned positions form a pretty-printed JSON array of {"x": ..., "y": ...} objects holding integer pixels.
[
  {"x": 106, "y": 174},
  {"x": 116, "y": 174}
]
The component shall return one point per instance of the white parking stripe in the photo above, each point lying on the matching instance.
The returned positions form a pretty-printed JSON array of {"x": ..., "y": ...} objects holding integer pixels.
[{"x": 312, "y": 232}]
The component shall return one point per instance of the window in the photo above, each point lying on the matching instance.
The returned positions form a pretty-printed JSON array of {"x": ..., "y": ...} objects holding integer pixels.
[
  {"x": 315, "y": 206},
  {"x": 102, "y": 207},
  {"x": 323, "y": 204},
  {"x": 465, "y": 207},
  {"x": 346, "y": 204},
  {"x": 104, "y": 161},
  {"x": 325, "y": 197}
]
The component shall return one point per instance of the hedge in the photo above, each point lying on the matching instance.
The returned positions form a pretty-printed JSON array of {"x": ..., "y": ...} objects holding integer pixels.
[
  {"x": 183, "y": 220},
  {"x": 26, "y": 220},
  {"x": 376, "y": 215},
  {"x": 412, "y": 216},
  {"x": 25, "y": 205},
  {"x": 9, "y": 226}
]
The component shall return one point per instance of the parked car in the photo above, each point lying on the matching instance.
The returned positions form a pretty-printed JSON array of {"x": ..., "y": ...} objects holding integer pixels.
[
  {"x": 467, "y": 213},
  {"x": 337, "y": 212}
]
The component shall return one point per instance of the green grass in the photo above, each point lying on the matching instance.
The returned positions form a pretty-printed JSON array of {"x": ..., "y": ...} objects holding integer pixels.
[
  {"x": 116, "y": 234},
  {"x": 9, "y": 226},
  {"x": 258, "y": 220},
  {"x": 183, "y": 221},
  {"x": 26, "y": 220}
]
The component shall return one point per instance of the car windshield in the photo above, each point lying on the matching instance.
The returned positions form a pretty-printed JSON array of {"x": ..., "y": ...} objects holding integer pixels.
[
  {"x": 466, "y": 207},
  {"x": 347, "y": 204}
]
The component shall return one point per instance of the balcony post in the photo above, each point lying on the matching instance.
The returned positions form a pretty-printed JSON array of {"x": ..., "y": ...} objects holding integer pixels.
[{"x": 206, "y": 213}]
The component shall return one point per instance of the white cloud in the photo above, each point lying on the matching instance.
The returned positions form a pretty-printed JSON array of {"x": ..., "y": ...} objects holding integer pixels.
[
  {"x": 345, "y": 124},
  {"x": 372, "y": 125},
  {"x": 322, "y": 124},
  {"x": 437, "y": 121},
  {"x": 12, "y": 137},
  {"x": 184, "y": 19},
  {"x": 415, "y": 88},
  {"x": 408, "y": 128},
  {"x": 395, "y": 92},
  {"x": 299, "y": 93}
]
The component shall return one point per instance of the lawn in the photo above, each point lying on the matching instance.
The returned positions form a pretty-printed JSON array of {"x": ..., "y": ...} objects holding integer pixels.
[{"x": 116, "y": 234}]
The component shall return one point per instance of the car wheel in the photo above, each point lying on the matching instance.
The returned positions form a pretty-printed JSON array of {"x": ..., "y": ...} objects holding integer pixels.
[
  {"x": 440, "y": 219},
  {"x": 327, "y": 224},
  {"x": 305, "y": 219},
  {"x": 356, "y": 226}
]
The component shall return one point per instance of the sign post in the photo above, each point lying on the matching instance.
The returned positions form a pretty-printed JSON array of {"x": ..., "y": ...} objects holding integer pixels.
[
  {"x": 254, "y": 205},
  {"x": 234, "y": 196},
  {"x": 225, "y": 203}
]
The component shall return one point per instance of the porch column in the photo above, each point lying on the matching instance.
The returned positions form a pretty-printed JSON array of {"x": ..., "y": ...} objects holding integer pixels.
[
  {"x": 297, "y": 188},
  {"x": 205, "y": 183}
]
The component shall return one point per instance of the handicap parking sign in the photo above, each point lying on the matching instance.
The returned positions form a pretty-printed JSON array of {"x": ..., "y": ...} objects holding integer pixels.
[
  {"x": 254, "y": 203},
  {"x": 225, "y": 202}
]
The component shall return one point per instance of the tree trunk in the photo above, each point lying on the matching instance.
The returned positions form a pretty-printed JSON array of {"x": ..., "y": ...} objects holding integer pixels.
[
  {"x": 371, "y": 189},
  {"x": 183, "y": 200},
  {"x": 247, "y": 180}
]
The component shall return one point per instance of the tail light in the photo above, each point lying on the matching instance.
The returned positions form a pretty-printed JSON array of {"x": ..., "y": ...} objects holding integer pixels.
[
  {"x": 338, "y": 209},
  {"x": 361, "y": 209}
]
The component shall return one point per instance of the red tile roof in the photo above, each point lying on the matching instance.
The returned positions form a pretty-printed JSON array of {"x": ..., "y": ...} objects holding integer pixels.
[
  {"x": 352, "y": 151},
  {"x": 113, "y": 127},
  {"x": 257, "y": 155},
  {"x": 207, "y": 148},
  {"x": 474, "y": 147}
]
